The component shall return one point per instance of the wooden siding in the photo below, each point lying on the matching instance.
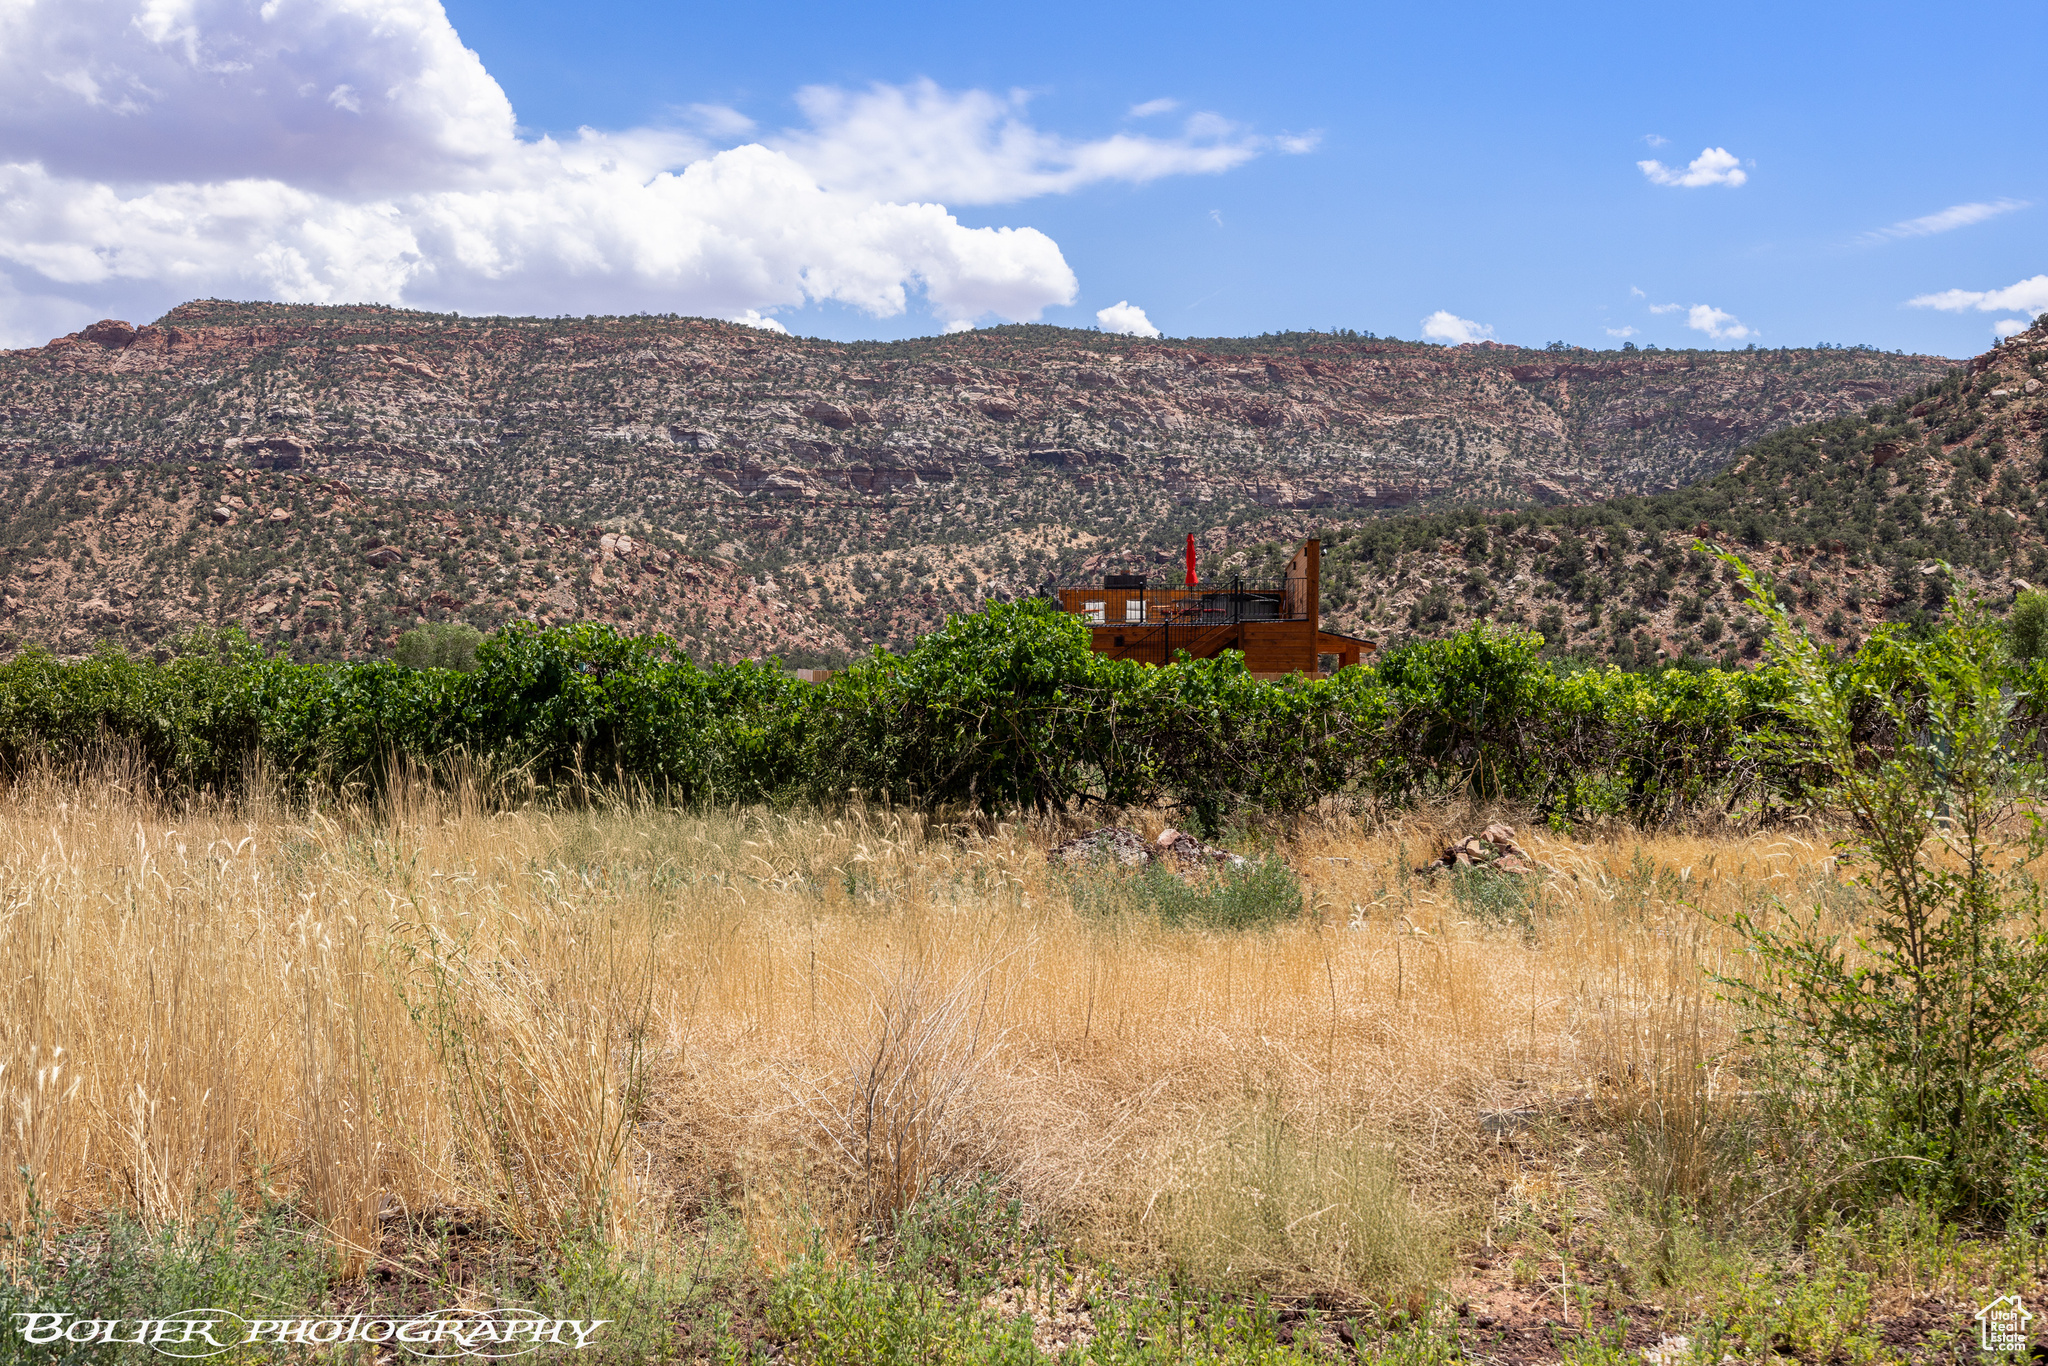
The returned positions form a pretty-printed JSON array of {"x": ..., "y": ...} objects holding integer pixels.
[{"x": 1275, "y": 647}]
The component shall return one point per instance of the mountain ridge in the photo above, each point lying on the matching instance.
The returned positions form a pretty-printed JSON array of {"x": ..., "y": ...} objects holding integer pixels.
[{"x": 329, "y": 474}]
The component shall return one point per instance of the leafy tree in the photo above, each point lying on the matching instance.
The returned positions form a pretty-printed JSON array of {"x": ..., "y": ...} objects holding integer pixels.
[
  {"x": 2026, "y": 626},
  {"x": 439, "y": 645}
]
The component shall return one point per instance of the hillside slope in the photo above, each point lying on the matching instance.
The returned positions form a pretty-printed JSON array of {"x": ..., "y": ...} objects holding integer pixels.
[
  {"x": 326, "y": 476},
  {"x": 1853, "y": 516}
]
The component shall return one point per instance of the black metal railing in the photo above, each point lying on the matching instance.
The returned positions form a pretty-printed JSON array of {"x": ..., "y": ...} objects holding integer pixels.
[{"x": 1227, "y": 603}]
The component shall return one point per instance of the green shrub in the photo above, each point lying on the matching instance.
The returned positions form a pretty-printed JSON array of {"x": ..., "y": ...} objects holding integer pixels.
[
  {"x": 1496, "y": 898},
  {"x": 439, "y": 645},
  {"x": 1255, "y": 895},
  {"x": 2026, "y": 626},
  {"x": 220, "y": 1256},
  {"x": 860, "y": 1316},
  {"x": 1912, "y": 1037},
  {"x": 1001, "y": 709}
]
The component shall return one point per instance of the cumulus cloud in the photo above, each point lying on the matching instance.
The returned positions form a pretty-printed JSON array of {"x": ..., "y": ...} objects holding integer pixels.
[
  {"x": 347, "y": 150},
  {"x": 362, "y": 94},
  {"x": 1445, "y": 326},
  {"x": 559, "y": 227},
  {"x": 1655, "y": 140},
  {"x": 1716, "y": 324},
  {"x": 1665, "y": 308},
  {"x": 2009, "y": 327},
  {"x": 1151, "y": 107},
  {"x": 2027, "y": 296},
  {"x": 1125, "y": 318},
  {"x": 1714, "y": 166},
  {"x": 1621, "y": 331},
  {"x": 1953, "y": 217}
]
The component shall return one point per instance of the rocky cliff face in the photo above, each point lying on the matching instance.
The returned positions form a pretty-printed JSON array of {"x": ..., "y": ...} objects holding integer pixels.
[{"x": 329, "y": 475}]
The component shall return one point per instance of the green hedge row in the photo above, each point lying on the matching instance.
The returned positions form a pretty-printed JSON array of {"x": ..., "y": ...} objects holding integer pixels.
[{"x": 1001, "y": 709}]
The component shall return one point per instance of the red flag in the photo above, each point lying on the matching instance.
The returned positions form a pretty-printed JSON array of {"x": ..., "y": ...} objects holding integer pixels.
[{"x": 1191, "y": 559}]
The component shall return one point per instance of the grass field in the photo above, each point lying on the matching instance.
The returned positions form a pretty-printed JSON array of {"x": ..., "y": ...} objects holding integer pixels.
[{"x": 871, "y": 1087}]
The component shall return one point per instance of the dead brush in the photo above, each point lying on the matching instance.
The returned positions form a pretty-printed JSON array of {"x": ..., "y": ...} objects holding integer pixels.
[
  {"x": 1263, "y": 1197},
  {"x": 429, "y": 1002},
  {"x": 1658, "y": 1049},
  {"x": 1668, "y": 1101},
  {"x": 542, "y": 1080},
  {"x": 904, "y": 1102}
]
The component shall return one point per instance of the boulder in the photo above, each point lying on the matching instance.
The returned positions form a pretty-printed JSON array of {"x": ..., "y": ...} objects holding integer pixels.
[
  {"x": 1112, "y": 844},
  {"x": 280, "y": 452},
  {"x": 280, "y": 515},
  {"x": 222, "y": 516},
  {"x": 830, "y": 415},
  {"x": 1188, "y": 850},
  {"x": 383, "y": 557},
  {"x": 111, "y": 333}
]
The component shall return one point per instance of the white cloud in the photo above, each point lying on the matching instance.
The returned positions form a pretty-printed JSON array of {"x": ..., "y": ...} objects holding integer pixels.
[
  {"x": 345, "y": 150},
  {"x": 1621, "y": 331},
  {"x": 1716, "y": 324},
  {"x": 1125, "y": 318},
  {"x": 751, "y": 317},
  {"x": 558, "y": 227},
  {"x": 1654, "y": 140},
  {"x": 1151, "y": 107},
  {"x": 1665, "y": 308},
  {"x": 155, "y": 91},
  {"x": 1714, "y": 166},
  {"x": 717, "y": 120},
  {"x": 2027, "y": 296},
  {"x": 1296, "y": 144},
  {"x": 1445, "y": 326},
  {"x": 973, "y": 147},
  {"x": 1955, "y": 216},
  {"x": 1636, "y": 293},
  {"x": 2007, "y": 327}
]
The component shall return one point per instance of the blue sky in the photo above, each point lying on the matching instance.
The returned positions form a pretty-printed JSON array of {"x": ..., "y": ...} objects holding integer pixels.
[{"x": 1224, "y": 169}]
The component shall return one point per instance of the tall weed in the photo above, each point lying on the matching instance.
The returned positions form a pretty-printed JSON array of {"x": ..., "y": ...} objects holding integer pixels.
[{"x": 1914, "y": 1036}]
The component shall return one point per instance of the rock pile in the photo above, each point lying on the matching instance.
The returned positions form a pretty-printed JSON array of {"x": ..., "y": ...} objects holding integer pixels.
[
  {"x": 1128, "y": 849},
  {"x": 1495, "y": 848},
  {"x": 1112, "y": 843},
  {"x": 1189, "y": 851}
]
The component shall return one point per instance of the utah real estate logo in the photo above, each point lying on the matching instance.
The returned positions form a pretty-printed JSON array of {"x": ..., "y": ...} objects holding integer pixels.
[{"x": 2002, "y": 1325}]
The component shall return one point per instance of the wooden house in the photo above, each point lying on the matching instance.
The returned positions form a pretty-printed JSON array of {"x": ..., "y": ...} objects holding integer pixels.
[{"x": 1276, "y": 626}]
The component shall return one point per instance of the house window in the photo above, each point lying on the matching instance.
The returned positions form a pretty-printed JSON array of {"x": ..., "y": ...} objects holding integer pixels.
[
  {"x": 1094, "y": 612},
  {"x": 1134, "y": 609}
]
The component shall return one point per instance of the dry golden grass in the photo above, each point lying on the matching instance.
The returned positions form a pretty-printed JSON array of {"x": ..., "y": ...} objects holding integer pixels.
[{"x": 561, "y": 1018}]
